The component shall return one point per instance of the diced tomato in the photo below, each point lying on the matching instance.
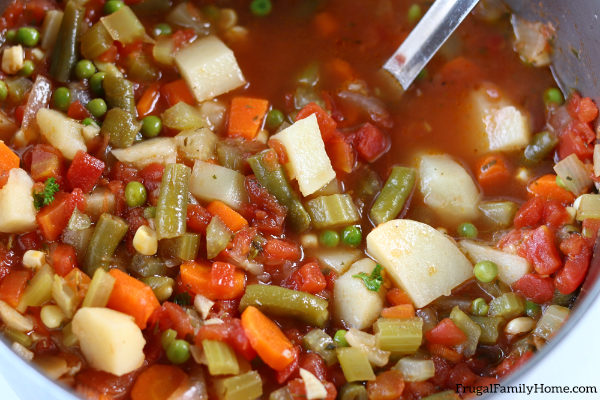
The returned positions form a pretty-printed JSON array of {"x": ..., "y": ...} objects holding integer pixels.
[
  {"x": 535, "y": 288},
  {"x": 148, "y": 101},
  {"x": 53, "y": 218},
  {"x": 461, "y": 374},
  {"x": 419, "y": 390},
  {"x": 308, "y": 278},
  {"x": 540, "y": 250},
  {"x": 446, "y": 333},
  {"x": 182, "y": 37},
  {"x": 584, "y": 109},
  {"x": 44, "y": 161},
  {"x": 577, "y": 138},
  {"x": 222, "y": 278},
  {"x": 263, "y": 210},
  {"x": 77, "y": 111},
  {"x": 151, "y": 178},
  {"x": 297, "y": 389},
  {"x": 280, "y": 150},
  {"x": 84, "y": 171},
  {"x": 280, "y": 250},
  {"x": 512, "y": 363},
  {"x": 198, "y": 218},
  {"x": 13, "y": 286},
  {"x": 122, "y": 172},
  {"x": 108, "y": 386},
  {"x": 291, "y": 370},
  {"x": 8, "y": 260},
  {"x": 578, "y": 253},
  {"x": 177, "y": 91},
  {"x": 590, "y": 228},
  {"x": 555, "y": 214},
  {"x": 388, "y": 385},
  {"x": 327, "y": 125},
  {"x": 28, "y": 241},
  {"x": 231, "y": 332},
  {"x": 530, "y": 213},
  {"x": 63, "y": 259},
  {"x": 131, "y": 48},
  {"x": 172, "y": 316},
  {"x": 370, "y": 142},
  {"x": 341, "y": 153}
]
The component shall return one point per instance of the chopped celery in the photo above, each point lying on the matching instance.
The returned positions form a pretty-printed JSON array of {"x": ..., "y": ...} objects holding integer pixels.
[
  {"x": 588, "y": 207},
  {"x": 392, "y": 198},
  {"x": 162, "y": 286},
  {"x": 332, "y": 211},
  {"x": 79, "y": 240},
  {"x": 163, "y": 50},
  {"x": 14, "y": 335},
  {"x": 121, "y": 127},
  {"x": 118, "y": 92},
  {"x": 499, "y": 214},
  {"x": 197, "y": 144},
  {"x": 124, "y": 26},
  {"x": 99, "y": 290},
  {"x": 508, "y": 305},
  {"x": 220, "y": 358},
  {"x": 415, "y": 369},
  {"x": 182, "y": 117},
  {"x": 564, "y": 300},
  {"x": 247, "y": 386},
  {"x": 64, "y": 296},
  {"x": 230, "y": 155},
  {"x": 38, "y": 290},
  {"x": 64, "y": 54},
  {"x": 552, "y": 319},
  {"x": 400, "y": 336},
  {"x": 187, "y": 15},
  {"x": 490, "y": 328},
  {"x": 184, "y": 247},
  {"x": 367, "y": 182},
  {"x": 95, "y": 41},
  {"x": 282, "y": 302},
  {"x": 353, "y": 391},
  {"x": 470, "y": 328},
  {"x": 321, "y": 343},
  {"x": 355, "y": 364},
  {"x": 106, "y": 237},
  {"x": 309, "y": 75},
  {"x": 145, "y": 266},
  {"x": 367, "y": 343},
  {"x": 171, "y": 210},
  {"x": 218, "y": 236},
  {"x": 305, "y": 95},
  {"x": 540, "y": 147}
]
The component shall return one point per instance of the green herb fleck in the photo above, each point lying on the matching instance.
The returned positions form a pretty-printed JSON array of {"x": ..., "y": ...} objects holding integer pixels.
[
  {"x": 374, "y": 281},
  {"x": 46, "y": 196}
]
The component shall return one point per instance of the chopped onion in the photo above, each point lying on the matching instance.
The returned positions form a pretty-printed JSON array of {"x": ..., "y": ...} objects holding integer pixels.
[
  {"x": 415, "y": 369},
  {"x": 367, "y": 344},
  {"x": 574, "y": 174},
  {"x": 39, "y": 97},
  {"x": 553, "y": 318},
  {"x": 193, "y": 388},
  {"x": 532, "y": 41},
  {"x": 187, "y": 15},
  {"x": 372, "y": 106}
]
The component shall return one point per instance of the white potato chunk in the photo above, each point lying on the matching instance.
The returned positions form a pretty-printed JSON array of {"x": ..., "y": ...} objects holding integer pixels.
[
  {"x": 448, "y": 188},
  {"x": 418, "y": 258},
  {"x": 12, "y": 59},
  {"x": 309, "y": 162},
  {"x": 209, "y": 67},
  {"x": 109, "y": 340},
  {"x": 213, "y": 182},
  {"x": 511, "y": 267},
  {"x": 354, "y": 304},
  {"x": 197, "y": 144},
  {"x": 17, "y": 212},
  {"x": 158, "y": 150},
  {"x": 62, "y": 132}
]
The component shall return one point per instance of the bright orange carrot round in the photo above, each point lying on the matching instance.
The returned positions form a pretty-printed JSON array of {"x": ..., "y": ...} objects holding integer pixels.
[
  {"x": 132, "y": 297},
  {"x": 229, "y": 216},
  {"x": 198, "y": 279},
  {"x": 547, "y": 187},
  {"x": 8, "y": 159},
  {"x": 158, "y": 382},
  {"x": 401, "y": 311},
  {"x": 246, "y": 116}
]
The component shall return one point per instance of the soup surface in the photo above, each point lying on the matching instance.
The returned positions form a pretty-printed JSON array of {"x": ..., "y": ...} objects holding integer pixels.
[{"x": 230, "y": 200}]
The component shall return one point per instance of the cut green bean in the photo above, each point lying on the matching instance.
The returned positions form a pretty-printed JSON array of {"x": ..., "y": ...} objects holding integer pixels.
[
  {"x": 332, "y": 211},
  {"x": 490, "y": 328},
  {"x": 107, "y": 235},
  {"x": 95, "y": 41},
  {"x": 64, "y": 54},
  {"x": 218, "y": 236},
  {"x": 171, "y": 210},
  {"x": 270, "y": 174},
  {"x": 220, "y": 358},
  {"x": 509, "y": 305},
  {"x": 470, "y": 328},
  {"x": 145, "y": 266},
  {"x": 118, "y": 92},
  {"x": 282, "y": 302},
  {"x": 162, "y": 286},
  {"x": 321, "y": 343},
  {"x": 353, "y": 391},
  {"x": 394, "y": 194},
  {"x": 121, "y": 127},
  {"x": 400, "y": 336},
  {"x": 183, "y": 248},
  {"x": 99, "y": 290},
  {"x": 355, "y": 364},
  {"x": 247, "y": 386},
  {"x": 38, "y": 290},
  {"x": 541, "y": 146}
]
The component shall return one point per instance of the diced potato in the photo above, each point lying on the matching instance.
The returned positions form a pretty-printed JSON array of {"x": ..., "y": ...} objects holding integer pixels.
[
  {"x": 17, "y": 212},
  {"x": 309, "y": 163},
  {"x": 339, "y": 259},
  {"x": 13, "y": 59},
  {"x": 448, "y": 188},
  {"x": 212, "y": 182},
  {"x": 354, "y": 304},
  {"x": 61, "y": 131},
  {"x": 158, "y": 150},
  {"x": 109, "y": 340},
  {"x": 511, "y": 267},
  {"x": 209, "y": 67},
  {"x": 418, "y": 258},
  {"x": 198, "y": 144}
]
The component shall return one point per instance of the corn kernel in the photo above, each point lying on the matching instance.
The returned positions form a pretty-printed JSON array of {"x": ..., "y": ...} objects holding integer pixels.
[
  {"x": 145, "y": 241},
  {"x": 52, "y": 316}
]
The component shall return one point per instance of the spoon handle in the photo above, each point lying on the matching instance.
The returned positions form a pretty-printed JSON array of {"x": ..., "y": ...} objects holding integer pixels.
[{"x": 436, "y": 26}]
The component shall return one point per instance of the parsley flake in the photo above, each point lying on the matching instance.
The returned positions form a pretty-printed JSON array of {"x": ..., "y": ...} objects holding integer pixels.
[
  {"x": 374, "y": 281},
  {"x": 46, "y": 196}
]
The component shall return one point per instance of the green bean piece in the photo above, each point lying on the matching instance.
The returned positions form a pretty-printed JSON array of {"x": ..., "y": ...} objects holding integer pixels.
[
  {"x": 281, "y": 302},
  {"x": 171, "y": 210},
  {"x": 99, "y": 289},
  {"x": 118, "y": 92},
  {"x": 220, "y": 358},
  {"x": 321, "y": 343},
  {"x": 121, "y": 127},
  {"x": 470, "y": 328},
  {"x": 400, "y": 336},
  {"x": 246, "y": 386},
  {"x": 509, "y": 305},
  {"x": 541, "y": 146},
  {"x": 146, "y": 266},
  {"x": 178, "y": 351},
  {"x": 270, "y": 174},
  {"x": 355, "y": 364},
  {"x": 332, "y": 211},
  {"x": 3, "y": 91},
  {"x": 95, "y": 41},
  {"x": 394, "y": 194},
  {"x": 64, "y": 54},
  {"x": 183, "y": 248},
  {"x": 490, "y": 328},
  {"x": 353, "y": 391},
  {"x": 107, "y": 235}
]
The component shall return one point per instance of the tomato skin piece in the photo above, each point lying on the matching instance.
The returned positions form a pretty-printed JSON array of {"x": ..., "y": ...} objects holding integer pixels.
[
  {"x": 172, "y": 316},
  {"x": 540, "y": 250},
  {"x": 388, "y": 385},
  {"x": 77, "y": 111},
  {"x": 535, "y": 288},
  {"x": 84, "y": 171},
  {"x": 63, "y": 259},
  {"x": 277, "y": 250},
  {"x": 198, "y": 218},
  {"x": 53, "y": 218},
  {"x": 371, "y": 142},
  {"x": 231, "y": 332},
  {"x": 568, "y": 279},
  {"x": 582, "y": 108},
  {"x": 461, "y": 374},
  {"x": 512, "y": 363},
  {"x": 308, "y": 278},
  {"x": 13, "y": 285},
  {"x": 577, "y": 139},
  {"x": 341, "y": 153},
  {"x": 327, "y": 125},
  {"x": 43, "y": 162},
  {"x": 530, "y": 213},
  {"x": 446, "y": 333}
]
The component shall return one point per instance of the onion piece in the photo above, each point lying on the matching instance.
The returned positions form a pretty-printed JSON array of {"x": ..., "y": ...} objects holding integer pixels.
[
  {"x": 39, "y": 97},
  {"x": 367, "y": 344},
  {"x": 574, "y": 174},
  {"x": 369, "y": 104},
  {"x": 193, "y": 388},
  {"x": 187, "y": 15},
  {"x": 533, "y": 41}
]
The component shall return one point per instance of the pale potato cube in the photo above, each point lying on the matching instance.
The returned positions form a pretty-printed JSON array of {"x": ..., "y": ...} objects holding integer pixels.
[
  {"x": 209, "y": 67},
  {"x": 17, "y": 212},
  {"x": 145, "y": 241},
  {"x": 448, "y": 188},
  {"x": 62, "y": 132},
  {"x": 13, "y": 59},
  {"x": 308, "y": 161},
  {"x": 507, "y": 129},
  {"x": 213, "y": 182},
  {"x": 421, "y": 260},
  {"x": 197, "y": 144},
  {"x": 109, "y": 340},
  {"x": 511, "y": 267},
  {"x": 354, "y": 304},
  {"x": 158, "y": 150}
]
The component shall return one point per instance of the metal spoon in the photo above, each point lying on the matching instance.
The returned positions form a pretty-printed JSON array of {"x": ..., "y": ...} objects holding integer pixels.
[{"x": 436, "y": 26}]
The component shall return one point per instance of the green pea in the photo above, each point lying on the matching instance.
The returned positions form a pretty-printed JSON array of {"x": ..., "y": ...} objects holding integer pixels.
[
  {"x": 135, "y": 194},
  {"x": 274, "y": 119},
  {"x": 261, "y": 8},
  {"x": 3, "y": 90},
  {"x": 151, "y": 126},
  {"x": 112, "y": 5},
  {"x": 553, "y": 96},
  {"x": 84, "y": 69},
  {"x": 28, "y": 36},
  {"x": 97, "y": 107},
  {"x": 88, "y": 121},
  {"x": 329, "y": 238},
  {"x": 532, "y": 309},
  {"x": 340, "y": 338},
  {"x": 479, "y": 307},
  {"x": 167, "y": 337},
  {"x": 27, "y": 68},
  {"x": 162, "y": 29},
  {"x": 11, "y": 35},
  {"x": 414, "y": 13},
  {"x": 178, "y": 351},
  {"x": 61, "y": 98},
  {"x": 485, "y": 271},
  {"x": 352, "y": 235},
  {"x": 468, "y": 230},
  {"x": 96, "y": 83}
]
